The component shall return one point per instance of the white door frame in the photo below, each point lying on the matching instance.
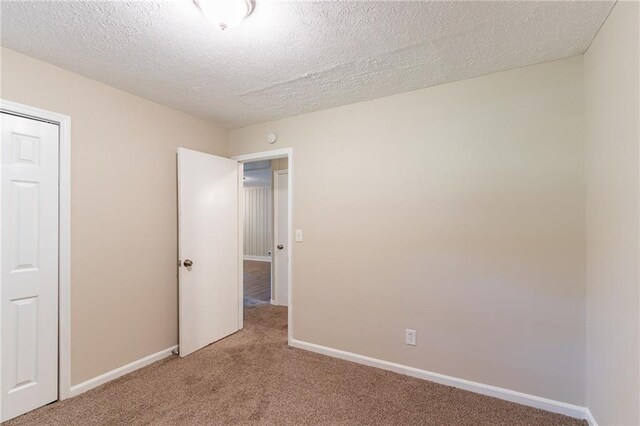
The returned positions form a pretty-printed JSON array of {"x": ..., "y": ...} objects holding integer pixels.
[
  {"x": 270, "y": 155},
  {"x": 64, "y": 241},
  {"x": 274, "y": 276}
]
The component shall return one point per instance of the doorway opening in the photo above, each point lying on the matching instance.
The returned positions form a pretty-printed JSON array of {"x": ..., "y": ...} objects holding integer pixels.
[
  {"x": 265, "y": 236},
  {"x": 210, "y": 248},
  {"x": 258, "y": 238},
  {"x": 266, "y": 230}
]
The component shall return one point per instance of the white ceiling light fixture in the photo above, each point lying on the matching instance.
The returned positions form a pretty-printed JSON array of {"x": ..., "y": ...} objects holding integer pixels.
[{"x": 225, "y": 13}]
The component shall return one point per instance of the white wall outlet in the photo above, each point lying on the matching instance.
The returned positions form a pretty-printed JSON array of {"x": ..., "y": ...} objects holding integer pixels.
[
  {"x": 410, "y": 337},
  {"x": 298, "y": 235}
]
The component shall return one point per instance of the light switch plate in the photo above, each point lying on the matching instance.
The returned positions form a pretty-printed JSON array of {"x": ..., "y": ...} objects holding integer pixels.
[{"x": 298, "y": 235}]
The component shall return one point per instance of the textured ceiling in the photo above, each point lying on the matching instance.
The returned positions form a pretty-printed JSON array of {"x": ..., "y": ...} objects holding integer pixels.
[{"x": 289, "y": 58}]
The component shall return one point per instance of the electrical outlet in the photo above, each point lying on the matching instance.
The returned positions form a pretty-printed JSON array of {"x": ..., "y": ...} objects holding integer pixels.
[{"x": 410, "y": 337}]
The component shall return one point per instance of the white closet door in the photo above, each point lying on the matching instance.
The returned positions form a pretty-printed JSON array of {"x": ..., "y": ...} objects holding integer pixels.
[{"x": 29, "y": 291}]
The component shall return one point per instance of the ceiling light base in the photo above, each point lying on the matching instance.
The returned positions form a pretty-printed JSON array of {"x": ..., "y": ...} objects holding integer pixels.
[{"x": 225, "y": 13}]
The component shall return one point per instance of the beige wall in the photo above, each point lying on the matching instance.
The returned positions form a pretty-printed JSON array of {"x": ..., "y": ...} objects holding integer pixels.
[
  {"x": 612, "y": 114},
  {"x": 280, "y": 164},
  {"x": 123, "y": 210},
  {"x": 456, "y": 210}
]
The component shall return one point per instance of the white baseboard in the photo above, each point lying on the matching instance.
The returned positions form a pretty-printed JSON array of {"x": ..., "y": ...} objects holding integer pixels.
[
  {"x": 257, "y": 258},
  {"x": 494, "y": 391},
  {"x": 121, "y": 371},
  {"x": 553, "y": 406},
  {"x": 590, "y": 419}
]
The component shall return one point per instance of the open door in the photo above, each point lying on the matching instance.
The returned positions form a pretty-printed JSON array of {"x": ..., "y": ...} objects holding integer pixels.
[
  {"x": 207, "y": 249},
  {"x": 281, "y": 236}
]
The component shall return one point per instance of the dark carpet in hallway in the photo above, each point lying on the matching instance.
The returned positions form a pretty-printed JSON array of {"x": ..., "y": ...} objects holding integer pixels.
[{"x": 253, "y": 378}]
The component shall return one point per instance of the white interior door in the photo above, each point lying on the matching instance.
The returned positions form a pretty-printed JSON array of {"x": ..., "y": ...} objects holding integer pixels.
[
  {"x": 29, "y": 290},
  {"x": 208, "y": 249},
  {"x": 281, "y": 267}
]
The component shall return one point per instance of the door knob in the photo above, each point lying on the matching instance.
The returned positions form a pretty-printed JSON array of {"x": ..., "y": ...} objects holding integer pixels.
[
  {"x": 280, "y": 246},
  {"x": 187, "y": 263}
]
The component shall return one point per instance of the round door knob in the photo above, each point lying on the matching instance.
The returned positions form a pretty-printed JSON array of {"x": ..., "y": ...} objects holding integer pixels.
[
  {"x": 280, "y": 246},
  {"x": 187, "y": 263}
]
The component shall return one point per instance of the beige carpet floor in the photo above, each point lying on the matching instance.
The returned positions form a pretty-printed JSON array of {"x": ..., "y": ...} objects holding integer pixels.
[{"x": 253, "y": 378}]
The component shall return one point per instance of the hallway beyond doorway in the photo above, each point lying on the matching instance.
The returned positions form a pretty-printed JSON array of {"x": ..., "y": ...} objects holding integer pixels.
[{"x": 257, "y": 282}]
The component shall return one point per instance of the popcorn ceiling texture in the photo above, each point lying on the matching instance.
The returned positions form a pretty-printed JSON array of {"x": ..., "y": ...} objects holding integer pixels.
[{"x": 290, "y": 58}]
